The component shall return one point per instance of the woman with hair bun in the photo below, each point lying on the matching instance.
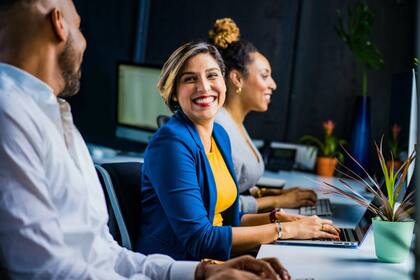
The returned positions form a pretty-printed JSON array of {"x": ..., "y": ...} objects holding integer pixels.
[{"x": 249, "y": 88}]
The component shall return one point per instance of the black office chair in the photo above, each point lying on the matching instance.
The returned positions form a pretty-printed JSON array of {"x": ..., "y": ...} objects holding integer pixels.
[
  {"x": 116, "y": 223},
  {"x": 161, "y": 120},
  {"x": 126, "y": 179},
  {"x": 4, "y": 274}
]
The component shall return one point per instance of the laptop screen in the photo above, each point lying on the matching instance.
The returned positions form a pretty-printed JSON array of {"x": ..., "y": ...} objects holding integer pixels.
[{"x": 364, "y": 223}]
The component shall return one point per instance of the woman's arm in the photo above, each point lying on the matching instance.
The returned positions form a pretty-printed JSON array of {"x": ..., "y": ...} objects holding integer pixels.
[
  {"x": 249, "y": 237},
  {"x": 267, "y": 203},
  {"x": 293, "y": 198},
  {"x": 248, "y": 220},
  {"x": 245, "y": 238},
  {"x": 264, "y": 218}
]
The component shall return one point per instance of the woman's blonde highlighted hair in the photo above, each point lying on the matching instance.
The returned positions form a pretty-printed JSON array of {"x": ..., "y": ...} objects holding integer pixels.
[{"x": 173, "y": 66}]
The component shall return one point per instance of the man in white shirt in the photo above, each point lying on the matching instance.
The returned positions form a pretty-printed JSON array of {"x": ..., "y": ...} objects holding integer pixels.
[{"x": 53, "y": 216}]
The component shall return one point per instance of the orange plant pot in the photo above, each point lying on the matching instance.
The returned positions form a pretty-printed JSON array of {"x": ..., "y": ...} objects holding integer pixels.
[{"x": 325, "y": 166}]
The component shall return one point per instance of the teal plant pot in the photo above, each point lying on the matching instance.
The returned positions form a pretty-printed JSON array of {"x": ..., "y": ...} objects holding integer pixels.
[{"x": 392, "y": 239}]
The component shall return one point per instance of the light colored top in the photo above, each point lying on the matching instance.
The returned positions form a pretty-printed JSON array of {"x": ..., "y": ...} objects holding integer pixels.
[
  {"x": 52, "y": 209},
  {"x": 226, "y": 187},
  {"x": 247, "y": 161}
]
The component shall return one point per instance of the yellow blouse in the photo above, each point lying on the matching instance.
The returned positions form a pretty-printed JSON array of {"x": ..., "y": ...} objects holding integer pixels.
[{"x": 225, "y": 185}]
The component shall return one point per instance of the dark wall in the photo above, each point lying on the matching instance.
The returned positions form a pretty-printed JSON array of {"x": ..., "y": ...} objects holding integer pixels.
[
  {"x": 316, "y": 74},
  {"x": 110, "y": 30},
  {"x": 327, "y": 79},
  {"x": 270, "y": 25}
]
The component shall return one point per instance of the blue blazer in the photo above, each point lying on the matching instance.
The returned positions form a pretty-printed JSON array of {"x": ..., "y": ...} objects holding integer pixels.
[{"x": 179, "y": 195}]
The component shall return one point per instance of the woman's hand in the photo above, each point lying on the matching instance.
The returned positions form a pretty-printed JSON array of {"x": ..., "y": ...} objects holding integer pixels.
[
  {"x": 244, "y": 267},
  {"x": 272, "y": 191},
  {"x": 295, "y": 198},
  {"x": 310, "y": 227}
]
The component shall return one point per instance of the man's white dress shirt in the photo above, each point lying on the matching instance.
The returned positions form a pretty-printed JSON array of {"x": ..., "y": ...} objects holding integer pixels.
[{"x": 53, "y": 216}]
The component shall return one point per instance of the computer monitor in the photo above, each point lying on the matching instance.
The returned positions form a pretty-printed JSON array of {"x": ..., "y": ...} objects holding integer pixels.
[
  {"x": 412, "y": 137},
  {"x": 138, "y": 101},
  {"x": 404, "y": 112},
  {"x": 403, "y": 109},
  {"x": 417, "y": 174}
]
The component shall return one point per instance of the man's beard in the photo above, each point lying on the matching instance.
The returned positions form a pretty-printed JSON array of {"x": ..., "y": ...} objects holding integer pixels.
[{"x": 70, "y": 70}]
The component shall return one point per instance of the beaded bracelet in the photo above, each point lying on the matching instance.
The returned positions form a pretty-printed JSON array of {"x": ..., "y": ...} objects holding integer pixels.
[{"x": 272, "y": 216}]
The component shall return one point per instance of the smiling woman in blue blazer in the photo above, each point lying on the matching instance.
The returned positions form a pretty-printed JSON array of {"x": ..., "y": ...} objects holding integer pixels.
[
  {"x": 180, "y": 210},
  {"x": 189, "y": 190}
]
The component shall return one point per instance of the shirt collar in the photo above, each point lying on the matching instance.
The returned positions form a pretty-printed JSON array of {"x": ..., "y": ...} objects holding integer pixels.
[
  {"x": 40, "y": 92},
  {"x": 31, "y": 85}
]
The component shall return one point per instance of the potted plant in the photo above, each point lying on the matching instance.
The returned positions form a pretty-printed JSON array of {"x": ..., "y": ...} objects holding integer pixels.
[
  {"x": 355, "y": 34},
  {"x": 392, "y": 227},
  {"x": 328, "y": 149}
]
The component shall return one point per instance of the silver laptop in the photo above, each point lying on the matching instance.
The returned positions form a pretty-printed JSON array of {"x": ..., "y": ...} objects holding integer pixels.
[
  {"x": 321, "y": 208},
  {"x": 349, "y": 237}
]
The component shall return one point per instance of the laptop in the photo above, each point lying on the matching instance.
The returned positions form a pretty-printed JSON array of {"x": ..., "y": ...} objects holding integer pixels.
[
  {"x": 349, "y": 238},
  {"x": 321, "y": 208}
]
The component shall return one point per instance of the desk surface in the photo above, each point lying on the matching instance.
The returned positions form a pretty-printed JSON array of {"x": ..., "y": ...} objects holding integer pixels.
[{"x": 310, "y": 262}]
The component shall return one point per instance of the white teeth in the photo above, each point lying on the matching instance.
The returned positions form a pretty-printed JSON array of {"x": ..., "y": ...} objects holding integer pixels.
[
  {"x": 204, "y": 100},
  {"x": 267, "y": 97}
]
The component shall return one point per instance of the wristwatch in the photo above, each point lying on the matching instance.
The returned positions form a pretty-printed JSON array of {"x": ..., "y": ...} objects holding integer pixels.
[{"x": 255, "y": 192}]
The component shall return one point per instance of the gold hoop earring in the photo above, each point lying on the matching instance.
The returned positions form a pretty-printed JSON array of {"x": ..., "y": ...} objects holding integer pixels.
[{"x": 239, "y": 91}]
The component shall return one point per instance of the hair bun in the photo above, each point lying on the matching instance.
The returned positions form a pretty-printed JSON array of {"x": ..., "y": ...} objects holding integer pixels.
[{"x": 224, "y": 32}]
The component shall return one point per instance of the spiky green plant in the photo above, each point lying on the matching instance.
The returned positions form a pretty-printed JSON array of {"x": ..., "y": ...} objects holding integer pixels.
[{"x": 388, "y": 208}]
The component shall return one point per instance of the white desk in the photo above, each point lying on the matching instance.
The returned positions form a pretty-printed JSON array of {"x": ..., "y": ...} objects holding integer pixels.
[{"x": 310, "y": 262}]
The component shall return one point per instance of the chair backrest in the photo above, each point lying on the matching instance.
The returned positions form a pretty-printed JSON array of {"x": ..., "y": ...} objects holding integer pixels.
[
  {"x": 161, "y": 120},
  {"x": 4, "y": 274},
  {"x": 116, "y": 223},
  {"x": 126, "y": 179}
]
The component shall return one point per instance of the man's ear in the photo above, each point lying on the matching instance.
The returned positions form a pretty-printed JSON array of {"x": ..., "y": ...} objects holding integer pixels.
[
  {"x": 236, "y": 78},
  {"x": 59, "y": 25}
]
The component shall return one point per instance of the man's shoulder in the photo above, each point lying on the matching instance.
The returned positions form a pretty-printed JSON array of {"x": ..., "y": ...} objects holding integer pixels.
[
  {"x": 11, "y": 99},
  {"x": 16, "y": 110}
]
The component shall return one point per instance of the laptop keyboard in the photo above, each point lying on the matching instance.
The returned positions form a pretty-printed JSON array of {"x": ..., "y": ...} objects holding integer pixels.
[
  {"x": 322, "y": 208},
  {"x": 343, "y": 235},
  {"x": 347, "y": 235}
]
